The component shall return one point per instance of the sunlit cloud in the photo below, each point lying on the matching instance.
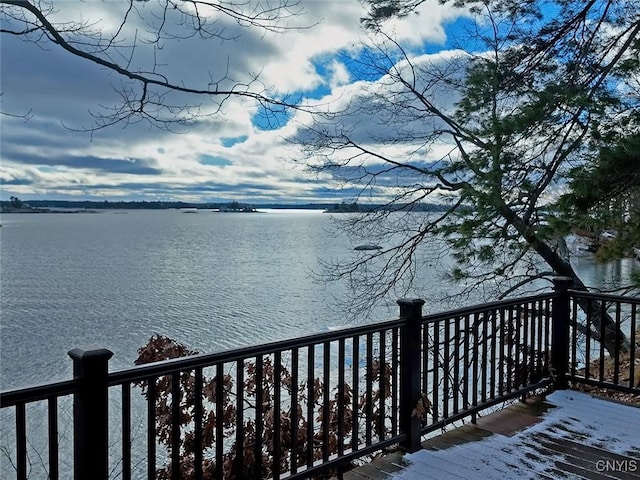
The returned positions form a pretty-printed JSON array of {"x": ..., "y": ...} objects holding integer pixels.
[{"x": 235, "y": 152}]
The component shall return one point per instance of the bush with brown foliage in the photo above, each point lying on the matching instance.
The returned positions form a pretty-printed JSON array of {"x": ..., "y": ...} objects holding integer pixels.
[{"x": 259, "y": 384}]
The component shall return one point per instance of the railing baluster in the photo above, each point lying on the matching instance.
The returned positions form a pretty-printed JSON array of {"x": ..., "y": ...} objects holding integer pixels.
[
  {"x": 294, "y": 410},
  {"x": 197, "y": 423},
  {"x": 512, "y": 340},
  {"x": 603, "y": 313},
  {"x": 426, "y": 351},
  {"x": 126, "y": 431},
  {"x": 521, "y": 352},
  {"x": 326, "y": 379},
  {"x": 355, "y": 374},
  {"x": 381, "y": 385},
  {"x": 277, "y": 413},
  {"x": 395, "y": 356},
  {"x": 341, "y": 396},
  {"x": 587, "y": 348},
  {"x": 494, "y": 335},
  {"x": 520, "y": 348},
  {"x": 52, "y": 413},
  {"x": 485, "y": 356},
  {"x": 528, "y": 343},
  {"x": 259, "y": 421},
  {"x": 632, "y": 347},
  {"x": 369, "y": 389},
  {"x": 617, "y": 340},
  {"x": 455, "y": 388},
  {"x": 239, "y": 440},
  {"x": 540, "y": 368},
  {"x": 502, "y": 332},
  {"x": 533, "y": 321},
  {"x": 547, "y": 338},
  {"x": 310, "y": 403},
  {"x": 560, "y": 331},
  {"x": 151, "y": 428},
  {"x": 436, "y": 370},
  {"x": 466, "y": 365},
  {"x": 395, "y": 359},
  {"x": 175, "y": 426},
  {"x": 476, "y": 358},
  {"x": 219, "y": 391},
  {"x": 574, "y": 338},
  {"x": 446, "y": 367},
  {"x": 21, "y": 442}
]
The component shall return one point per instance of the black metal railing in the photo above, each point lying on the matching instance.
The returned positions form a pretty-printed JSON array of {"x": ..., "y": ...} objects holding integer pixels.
[
  {"x": 590, "y": 363},
  {"x": 301, "y": 407},
  {"x": 482, "y": 356}
]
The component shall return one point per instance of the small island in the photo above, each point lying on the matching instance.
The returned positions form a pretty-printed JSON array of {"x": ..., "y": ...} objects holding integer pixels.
[
  {"x": 15, "y": 205},
  {"x": 345, "y": 207},
  {"x": 236, "y": 207}
]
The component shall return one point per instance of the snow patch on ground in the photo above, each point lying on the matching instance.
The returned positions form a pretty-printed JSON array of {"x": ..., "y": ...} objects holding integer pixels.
[{"x": 578, "y": 417}]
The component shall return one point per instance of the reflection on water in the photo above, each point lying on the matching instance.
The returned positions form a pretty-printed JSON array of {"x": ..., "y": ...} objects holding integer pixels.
[
  {"x": 212, "y": 281},
  {"x": 606, "y": 276}
]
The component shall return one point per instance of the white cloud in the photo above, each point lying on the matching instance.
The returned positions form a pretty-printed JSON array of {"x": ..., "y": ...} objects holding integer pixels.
[
  {"x": 339, "y": 75},
  {"x": 42, "y": 158}
]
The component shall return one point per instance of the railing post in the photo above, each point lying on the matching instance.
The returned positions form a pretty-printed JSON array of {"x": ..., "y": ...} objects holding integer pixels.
[
  {"x": 560, "y": 331},
  {"x": 90, "y": 414},
  {"x": 410, "y": 354}
]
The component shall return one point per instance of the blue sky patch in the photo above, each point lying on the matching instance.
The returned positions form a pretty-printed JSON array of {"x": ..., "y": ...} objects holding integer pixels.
[
  {"x": 229, "y": 142},
  {"x": 369, "y": 64},
  {"x": 272, "y": 117},
  {"x": 214, "y": 160}
]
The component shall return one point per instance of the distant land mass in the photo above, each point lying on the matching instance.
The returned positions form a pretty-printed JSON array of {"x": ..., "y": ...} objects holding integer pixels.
[{"x": 44, "y": 206}]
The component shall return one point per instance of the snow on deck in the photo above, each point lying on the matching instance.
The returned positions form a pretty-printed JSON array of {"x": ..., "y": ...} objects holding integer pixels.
[{"x": 582, "y": 437}]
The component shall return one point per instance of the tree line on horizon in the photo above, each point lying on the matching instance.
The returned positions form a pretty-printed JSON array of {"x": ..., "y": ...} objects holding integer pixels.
[{"x": 15, "y": 202}]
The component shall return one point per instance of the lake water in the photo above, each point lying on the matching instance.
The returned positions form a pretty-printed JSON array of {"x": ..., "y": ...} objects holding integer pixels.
[{"x": 212, "y": 281}]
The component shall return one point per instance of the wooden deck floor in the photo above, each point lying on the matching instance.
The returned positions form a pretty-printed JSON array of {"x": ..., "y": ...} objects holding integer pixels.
[{"x": 569, "y": 435}]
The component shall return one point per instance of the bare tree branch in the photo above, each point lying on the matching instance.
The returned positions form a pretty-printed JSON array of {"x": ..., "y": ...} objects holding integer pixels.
[
  {"x": 514, "y": 118},
  {"x": 144, "y": 93}
]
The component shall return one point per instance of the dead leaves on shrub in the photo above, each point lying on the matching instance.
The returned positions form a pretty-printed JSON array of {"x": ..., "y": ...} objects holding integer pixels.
[{"x": 259, "y": 381}]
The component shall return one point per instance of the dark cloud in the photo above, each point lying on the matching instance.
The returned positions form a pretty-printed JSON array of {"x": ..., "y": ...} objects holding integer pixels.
[
  {"x": 17, "y": 181},
  {"x": 346, "y": 193},
  {"x": 42, "y": 79},
  {"x": 248, "y": 191},
  {"x": 110, "y": 165}
]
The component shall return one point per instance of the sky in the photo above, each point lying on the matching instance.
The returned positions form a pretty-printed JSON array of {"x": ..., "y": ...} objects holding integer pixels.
[{"x": 229, "y": 152}]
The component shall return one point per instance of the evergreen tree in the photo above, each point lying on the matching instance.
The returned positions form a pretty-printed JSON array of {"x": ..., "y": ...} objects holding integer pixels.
[
  {"x": 605, "y": 195},
  {"x": 548, "y": 85}
]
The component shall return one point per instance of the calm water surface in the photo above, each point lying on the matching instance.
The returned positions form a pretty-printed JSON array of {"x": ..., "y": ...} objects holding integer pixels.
[{"x": 213, "y": 281}]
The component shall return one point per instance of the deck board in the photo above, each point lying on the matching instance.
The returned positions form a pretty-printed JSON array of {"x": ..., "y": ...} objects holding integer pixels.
[{"x": 570, "y": 435}]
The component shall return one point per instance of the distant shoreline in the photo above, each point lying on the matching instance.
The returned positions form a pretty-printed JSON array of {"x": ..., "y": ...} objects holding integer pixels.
[
  {"x": 9, "y": 210},
  {"x": 84, "y": 206}
]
